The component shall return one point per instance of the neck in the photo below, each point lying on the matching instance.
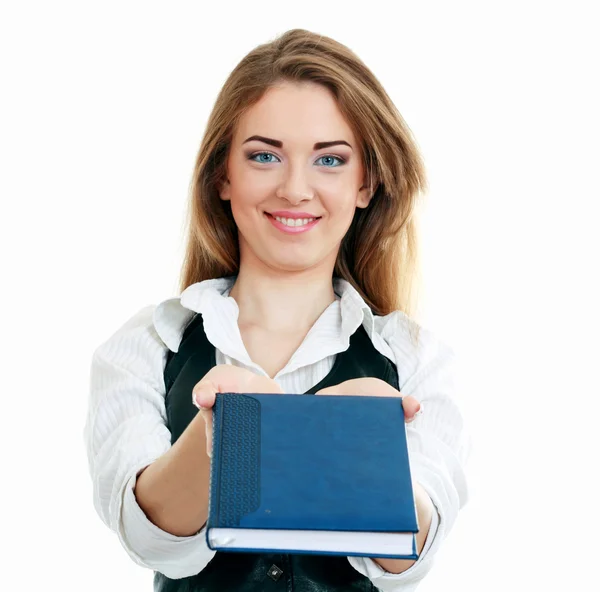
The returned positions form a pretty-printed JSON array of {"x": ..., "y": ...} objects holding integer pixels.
[{"x": 285, "y": 303}]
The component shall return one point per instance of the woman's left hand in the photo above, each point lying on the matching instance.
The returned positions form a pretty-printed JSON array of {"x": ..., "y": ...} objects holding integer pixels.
[
  {"x": 378, "y": 388},
  {"x": 411, "y": 407}
]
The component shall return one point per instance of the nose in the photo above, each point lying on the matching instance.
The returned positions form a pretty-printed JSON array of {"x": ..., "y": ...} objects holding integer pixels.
[{"x": 295, "y": 186}]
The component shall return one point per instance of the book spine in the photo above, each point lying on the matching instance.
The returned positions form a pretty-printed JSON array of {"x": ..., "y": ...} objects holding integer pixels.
[{"x": 215, "y": 465}]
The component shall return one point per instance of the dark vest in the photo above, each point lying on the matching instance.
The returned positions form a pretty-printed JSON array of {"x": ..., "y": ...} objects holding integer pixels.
[{"x": 259, "y": 572}]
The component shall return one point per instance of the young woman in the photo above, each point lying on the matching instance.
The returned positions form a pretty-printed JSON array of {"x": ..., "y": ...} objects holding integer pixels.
[{"x": 299, "y": 277}]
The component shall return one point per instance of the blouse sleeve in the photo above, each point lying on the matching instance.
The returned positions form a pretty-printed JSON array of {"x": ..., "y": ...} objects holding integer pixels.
[
  {"x": 439, "y": 444},
  {"x": 126, "y": 431}
]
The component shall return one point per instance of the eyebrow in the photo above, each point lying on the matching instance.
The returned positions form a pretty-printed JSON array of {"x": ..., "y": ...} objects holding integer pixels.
[{"x": 279, "y": 143}]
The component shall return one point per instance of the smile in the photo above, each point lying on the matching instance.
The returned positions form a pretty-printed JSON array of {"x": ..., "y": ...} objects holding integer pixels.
[{"x": 291, "y": 225}]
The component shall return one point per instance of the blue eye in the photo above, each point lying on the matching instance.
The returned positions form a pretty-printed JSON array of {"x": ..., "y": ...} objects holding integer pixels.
[
  {"x": 252, "y": 157},
  {"x": 331, "y": 157},
  {"x": 264, "y": 157}
]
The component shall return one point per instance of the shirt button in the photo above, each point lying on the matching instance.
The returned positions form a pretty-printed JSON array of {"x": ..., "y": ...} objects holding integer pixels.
[{"x": 274, "y": 572}]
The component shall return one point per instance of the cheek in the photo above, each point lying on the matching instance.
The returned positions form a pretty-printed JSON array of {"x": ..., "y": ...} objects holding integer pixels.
[
  {"x": 246, "y": 201},
  {"x": 250, "y": 189},
  {"x": 340, "y": 204}
]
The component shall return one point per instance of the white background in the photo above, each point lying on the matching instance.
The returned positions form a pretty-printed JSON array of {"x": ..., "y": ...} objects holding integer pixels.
[{"x": 103, "y": 106}]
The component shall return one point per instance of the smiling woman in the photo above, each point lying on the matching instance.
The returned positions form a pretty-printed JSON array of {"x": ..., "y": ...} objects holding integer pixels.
[
  {"x": 301, "y": 117},
  {"x": 319, "y": 189},
  {"x": 299, "y": 277}
]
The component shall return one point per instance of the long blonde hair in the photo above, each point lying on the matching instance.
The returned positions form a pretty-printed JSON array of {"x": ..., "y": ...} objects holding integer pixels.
[{"x": 379, "y": 255}]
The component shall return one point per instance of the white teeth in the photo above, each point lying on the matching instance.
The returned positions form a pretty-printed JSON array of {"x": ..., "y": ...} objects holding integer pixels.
[{"x": 292, "y": 222}]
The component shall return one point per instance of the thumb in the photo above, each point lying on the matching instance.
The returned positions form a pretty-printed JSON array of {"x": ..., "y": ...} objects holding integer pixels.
[
  {"x": 263, "y": 384},
  {"x": 331, "y": 390},
  {"x": 207, "y": 416},
  {"x": 204, "y": 394}
]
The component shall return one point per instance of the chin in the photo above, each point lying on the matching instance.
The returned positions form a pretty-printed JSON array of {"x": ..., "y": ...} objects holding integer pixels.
[
  {"x": 295, "y": 264},
  {"x": 292, "y": 267}
]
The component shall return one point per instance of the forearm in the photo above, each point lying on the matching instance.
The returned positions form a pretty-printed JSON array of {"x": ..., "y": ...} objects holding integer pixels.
[
  {"x": 173, "y": 491},
  {"x": 425, "y": 511}
]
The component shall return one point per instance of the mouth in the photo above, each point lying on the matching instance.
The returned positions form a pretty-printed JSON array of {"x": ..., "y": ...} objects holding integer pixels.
[
  {"x": 293, "y": 222},
  {"x": 292, "y": 225}
]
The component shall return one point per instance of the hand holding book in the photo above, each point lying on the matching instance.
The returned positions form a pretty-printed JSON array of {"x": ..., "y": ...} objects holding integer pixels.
[
  {"x": 291, "y": 473},
  {"x": 377, "y": 388},
  {"x": 307, "y": 466},
  {"x": 412, "y": 409},
  {"x": 225, "y": 378}
]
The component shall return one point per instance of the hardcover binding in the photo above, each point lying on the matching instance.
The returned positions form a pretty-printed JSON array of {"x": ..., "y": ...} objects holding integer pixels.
[{"x": 236, "y": 471}]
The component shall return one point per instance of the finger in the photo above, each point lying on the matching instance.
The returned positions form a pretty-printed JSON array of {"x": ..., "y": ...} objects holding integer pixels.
[
  {"x": 267, "y": 385},
  {"x": 361, "y": 386},
  {"x": 219, "y": 379},
  {"x": 222, "y": 378},
  {"x": 412, "y": 408},
  {"x": 204, "y": 394},
  {"x": 335, "y": 390},
  {"x": 342, "y": 389},
  {"x": 207, "y": 416}
]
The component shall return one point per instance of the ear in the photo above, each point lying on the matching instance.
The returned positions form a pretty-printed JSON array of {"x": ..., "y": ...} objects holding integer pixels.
[
  {"x": 364, "y": 197},
  {"x": 225, "y": 190}
]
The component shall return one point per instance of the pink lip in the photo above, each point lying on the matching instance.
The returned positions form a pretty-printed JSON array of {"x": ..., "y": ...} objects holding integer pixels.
[
  {"x": 293, "y": 215},
  {"x": 292, "y": 229}
]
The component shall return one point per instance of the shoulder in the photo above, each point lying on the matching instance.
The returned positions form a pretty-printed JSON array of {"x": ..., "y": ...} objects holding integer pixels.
[
  {"x": 171, "y": 316},
  {"x": 133, "y": 352},
  {"x": 160, "y": 323},
  {"x": 137, "y": 348},
  {"x": 166, "y": 321},
  {"x": 416, "y": 349},
  {"x": 154, "y": 327},
  {"x": 138, "y": 326},
  {"x": 169, "y": 320},
  {"x": 398, "y": 328}
]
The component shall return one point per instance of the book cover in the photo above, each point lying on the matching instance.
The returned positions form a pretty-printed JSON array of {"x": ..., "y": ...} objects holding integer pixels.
[{"x": 324, "y": 474}]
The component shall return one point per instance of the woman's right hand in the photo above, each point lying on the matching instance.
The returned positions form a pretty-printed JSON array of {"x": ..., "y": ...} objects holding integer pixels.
[{"x": 226, "y": 378}]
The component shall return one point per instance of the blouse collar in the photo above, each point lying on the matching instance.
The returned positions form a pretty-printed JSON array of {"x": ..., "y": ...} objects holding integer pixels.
[{"x": 220, "y": 324}]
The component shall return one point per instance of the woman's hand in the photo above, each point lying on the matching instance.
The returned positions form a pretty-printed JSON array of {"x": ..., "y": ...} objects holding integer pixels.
[
  {"x": 225, "y": 378},
  {"x": 412, "y": 408},
  {"x": 378, "y": 388}
]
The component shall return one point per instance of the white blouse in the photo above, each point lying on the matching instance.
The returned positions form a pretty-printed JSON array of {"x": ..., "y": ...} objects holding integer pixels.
[{"x": 126, "y": 424}]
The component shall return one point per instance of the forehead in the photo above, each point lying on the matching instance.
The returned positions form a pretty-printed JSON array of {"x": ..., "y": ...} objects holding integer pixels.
[{"x": 296, "y": 113}]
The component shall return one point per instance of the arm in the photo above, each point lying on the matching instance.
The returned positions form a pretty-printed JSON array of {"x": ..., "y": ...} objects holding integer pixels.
[
  {"x": 173, "y": 491},
  {"x": 438, "y": 446},
  {"x": 126, "y": 433},
  {"x": 425, "y": 512}
]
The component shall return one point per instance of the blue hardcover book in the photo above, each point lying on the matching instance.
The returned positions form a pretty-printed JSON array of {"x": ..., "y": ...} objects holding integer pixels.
[{"x": 323, "y": 474}]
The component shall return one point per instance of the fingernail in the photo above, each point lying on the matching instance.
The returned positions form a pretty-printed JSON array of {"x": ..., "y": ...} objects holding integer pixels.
[
  {"x": 419, "y": 412},
  {"x": 195, "y": 400}
]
